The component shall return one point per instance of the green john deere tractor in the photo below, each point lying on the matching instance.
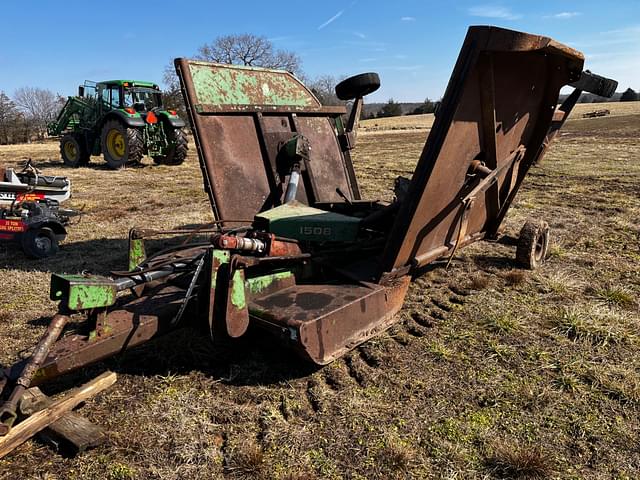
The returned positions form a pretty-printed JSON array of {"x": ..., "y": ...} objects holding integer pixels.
[{"x": 121, "y": 119}]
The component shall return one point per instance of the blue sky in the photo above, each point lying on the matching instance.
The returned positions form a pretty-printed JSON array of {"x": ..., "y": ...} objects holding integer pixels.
[{"x": 411, "y": 43}]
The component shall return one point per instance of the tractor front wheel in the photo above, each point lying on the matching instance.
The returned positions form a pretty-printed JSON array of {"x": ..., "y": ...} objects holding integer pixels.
[
  {"x": 121, "y": 146},
  {"x": 177, "y": 151},
  {"x": 39, "y": 243},
  {"x": 73, "y": 152}
]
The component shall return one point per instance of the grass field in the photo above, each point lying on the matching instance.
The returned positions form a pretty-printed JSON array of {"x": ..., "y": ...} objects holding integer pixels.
[{"x": 493, "y": 372}]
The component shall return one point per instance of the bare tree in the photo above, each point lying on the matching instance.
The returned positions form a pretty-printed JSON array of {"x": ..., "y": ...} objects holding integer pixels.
[
  {"x": 38, "y": 106},
  {"x": 8, "y": 119},
  {"x": 251, "y": 50},
  {"x": 172, "y": 94},
  {"x": 324, "y": 87}
]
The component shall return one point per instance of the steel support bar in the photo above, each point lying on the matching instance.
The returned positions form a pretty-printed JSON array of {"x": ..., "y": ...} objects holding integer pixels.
[{"x": 8, "y": 410}]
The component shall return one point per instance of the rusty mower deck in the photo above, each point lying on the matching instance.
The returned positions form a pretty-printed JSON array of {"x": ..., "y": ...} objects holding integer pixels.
[{"x": 296, "y": 250}]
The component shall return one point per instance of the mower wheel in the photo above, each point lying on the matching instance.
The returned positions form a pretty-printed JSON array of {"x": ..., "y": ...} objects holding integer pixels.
[
  {"x": 533, "y": 244},
  {"x": 121, "y": 146},
  {"x": 39, "y": 243},
  {"x": 358, "y": 86},
  {"x": 177, "y": 152},
  {"x": 73, "y": 152}
]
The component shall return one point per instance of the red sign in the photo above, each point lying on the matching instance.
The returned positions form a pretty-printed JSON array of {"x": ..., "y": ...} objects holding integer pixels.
[
  {"x": 29, "y": 197},
  {"x": 12, "y": 226}
]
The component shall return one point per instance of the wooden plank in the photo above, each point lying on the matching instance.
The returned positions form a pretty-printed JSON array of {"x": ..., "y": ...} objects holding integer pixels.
[
  {"x": 42, "y": 419},
  {"x": 72, "y": 434}
]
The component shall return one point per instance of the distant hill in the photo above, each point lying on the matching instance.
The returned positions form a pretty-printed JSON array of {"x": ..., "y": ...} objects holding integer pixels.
[
  {"x": 591, "y": 98},
  {"x": 407, "y": 107}
]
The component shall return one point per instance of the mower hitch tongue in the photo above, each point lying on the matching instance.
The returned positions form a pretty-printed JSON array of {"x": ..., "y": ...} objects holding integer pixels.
[{"x": 312, "y": 262}]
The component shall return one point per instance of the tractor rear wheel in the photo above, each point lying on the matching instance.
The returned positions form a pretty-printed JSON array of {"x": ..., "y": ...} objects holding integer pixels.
[
  {"x": 39, "y": 243},
  {"x": 177, "y": 152},
  {"x": 72, "y": 150},
  {"x": 121, "y": 146}
]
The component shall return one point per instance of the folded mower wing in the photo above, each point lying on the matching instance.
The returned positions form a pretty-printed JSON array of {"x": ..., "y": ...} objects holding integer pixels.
[{"x": 491, "y": 127}]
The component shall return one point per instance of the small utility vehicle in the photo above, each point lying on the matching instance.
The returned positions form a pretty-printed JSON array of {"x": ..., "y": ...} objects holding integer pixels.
[{"x": 30, "y": 212}]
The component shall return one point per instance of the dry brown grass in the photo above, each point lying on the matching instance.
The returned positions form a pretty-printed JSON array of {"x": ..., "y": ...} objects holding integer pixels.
[
  {"x": 494, "y": 357},
  {"x": 405, "y": 122},
  {"x": 515, "y": 462}
]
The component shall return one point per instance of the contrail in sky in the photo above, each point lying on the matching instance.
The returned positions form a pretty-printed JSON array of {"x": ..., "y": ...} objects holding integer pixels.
[{"x": 332, "y": 19}]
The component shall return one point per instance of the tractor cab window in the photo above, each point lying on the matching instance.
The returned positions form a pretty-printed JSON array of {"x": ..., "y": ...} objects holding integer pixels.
[
  {"x": 115, "y": 97},
  {"x": 110, "y": 96},
  {"x": 142, "y": 99},
  {"x": 104, "y": 95},
  {"x": 91, "y": 97},
  {"x": 90, "y": 90}
]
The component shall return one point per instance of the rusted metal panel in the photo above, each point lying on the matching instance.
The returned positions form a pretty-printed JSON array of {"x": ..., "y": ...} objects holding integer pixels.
[
  {"x": 272, "y": 109},
  {"x": 235, "y": 111},
  {"x": 500, "y": 100},
  {"x": 323, "y": 322},
  {"x": 242, "y": 85}
]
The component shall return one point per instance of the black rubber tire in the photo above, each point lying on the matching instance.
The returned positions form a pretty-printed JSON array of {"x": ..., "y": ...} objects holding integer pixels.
[
  {"x": 72, "y": 143},
  {"x": 358, "y": 86},
  {"x": 39, "y": 243},
  {"x": 177, "y": 152},
  {"x": 133, "y": 145},
  {"x": 533, "y": 244}
]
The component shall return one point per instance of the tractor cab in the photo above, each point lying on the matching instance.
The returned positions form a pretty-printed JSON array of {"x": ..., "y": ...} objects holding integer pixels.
[{"x": 132, "y": 96}]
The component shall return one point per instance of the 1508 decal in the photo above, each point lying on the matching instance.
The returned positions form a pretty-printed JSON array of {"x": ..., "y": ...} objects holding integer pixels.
[{"x": 310, "y": 230}]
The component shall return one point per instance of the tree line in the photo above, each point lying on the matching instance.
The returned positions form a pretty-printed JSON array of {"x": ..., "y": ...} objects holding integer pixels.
[
  {"x": 24, "y": 116},
  {"x": 629, "y": 95}
]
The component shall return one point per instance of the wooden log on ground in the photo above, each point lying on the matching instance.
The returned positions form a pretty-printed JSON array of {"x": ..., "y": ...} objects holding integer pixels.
[
  {"x": 43, "y": 418},
  {"x": 72, "y": 434}
]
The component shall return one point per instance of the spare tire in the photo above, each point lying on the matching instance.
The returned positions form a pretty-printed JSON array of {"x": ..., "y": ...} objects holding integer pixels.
[{"x": 358, "y": 86}]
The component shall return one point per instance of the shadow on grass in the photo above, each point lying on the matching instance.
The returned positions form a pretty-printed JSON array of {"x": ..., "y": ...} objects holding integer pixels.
[
  {"x": 96, "y": 163},
  {"x": 255, "y": 359},
  {"x": 98, "y": 256},
  {"x": 484, "y": 262}
]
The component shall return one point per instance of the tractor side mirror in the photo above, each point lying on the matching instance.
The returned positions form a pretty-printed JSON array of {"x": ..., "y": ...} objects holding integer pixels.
[{"x": 81, "y": 91}]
